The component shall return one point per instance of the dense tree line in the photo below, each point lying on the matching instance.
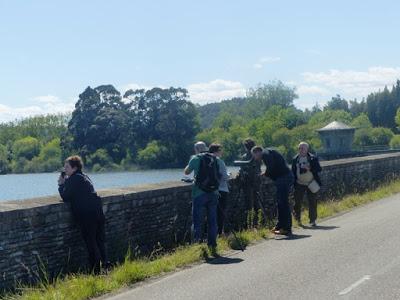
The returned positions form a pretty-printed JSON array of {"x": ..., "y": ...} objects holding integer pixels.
[
  {"x": 153, "y": 128},
  {"x": 268, "y": 115},
  {"x": 156, "y": 128},
  {"x": 32, "y": 144}
]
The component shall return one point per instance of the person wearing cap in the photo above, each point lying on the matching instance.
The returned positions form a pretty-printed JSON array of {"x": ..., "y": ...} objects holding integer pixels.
[
  {"x": 305, "y": 168},
  {"x": 203, "y": 199}
]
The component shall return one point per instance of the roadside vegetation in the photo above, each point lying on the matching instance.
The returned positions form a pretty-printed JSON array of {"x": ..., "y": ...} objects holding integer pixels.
[{"x": 133, "y": 269}]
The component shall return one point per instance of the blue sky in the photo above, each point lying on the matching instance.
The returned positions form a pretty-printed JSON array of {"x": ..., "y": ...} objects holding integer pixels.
[{"x": 50, "y": 51}]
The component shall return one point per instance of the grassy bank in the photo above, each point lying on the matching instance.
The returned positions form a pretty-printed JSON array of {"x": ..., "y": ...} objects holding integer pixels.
[{"x": 81, "y": 286}]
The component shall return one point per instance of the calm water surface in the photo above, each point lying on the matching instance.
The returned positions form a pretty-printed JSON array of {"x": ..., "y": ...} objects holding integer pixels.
[{"x": 24, "y": 186}]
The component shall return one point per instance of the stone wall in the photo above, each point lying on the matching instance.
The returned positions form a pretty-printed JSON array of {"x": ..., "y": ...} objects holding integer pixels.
[{"x": 39, "y": 234}]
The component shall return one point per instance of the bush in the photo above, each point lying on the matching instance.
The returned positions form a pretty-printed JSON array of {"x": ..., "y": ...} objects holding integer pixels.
[
  {"x": 101, "y": 159},
  {"x": 27, "y": 147},
  {"x": 395, "y": 142},
  {"x": 153, "y": 155}
]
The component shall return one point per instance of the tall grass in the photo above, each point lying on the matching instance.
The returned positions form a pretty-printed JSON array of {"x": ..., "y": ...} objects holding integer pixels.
[{"x": 85, "y": 286}]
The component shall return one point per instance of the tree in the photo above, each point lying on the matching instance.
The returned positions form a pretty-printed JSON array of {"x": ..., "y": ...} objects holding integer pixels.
[
  {"x": 27, "y": 147},
  {"x": 381, "y": 136},
  {"x": 383, "y": 105},
  {"x": 166, "y": 116},
  {"x": 337, "y": 103},
  {"x": 323, "y": 118},
  {"x": 362, "y": 121},
  {"x": 261, "y": 98},
  {"x": 98, "y": 121},
  {"x": 397, "y": 117},
  {"x": 153, "y": 155},
  {"x": 4, "y": 162},
  {"x": 49, "y": 158}
]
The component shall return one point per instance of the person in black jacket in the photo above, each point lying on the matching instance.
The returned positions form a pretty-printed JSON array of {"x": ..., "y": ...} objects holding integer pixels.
[
  {"x": 278, "y": 170},
  {"x": 305, "y": 168},
  {"x": 77, "y": 189}
]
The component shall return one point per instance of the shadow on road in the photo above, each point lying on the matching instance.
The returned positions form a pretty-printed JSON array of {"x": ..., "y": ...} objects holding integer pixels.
[
  {"x": 320, "y": 227},
  {"x": 292, "y": 237},
  {"x": 224, "y": 261}
]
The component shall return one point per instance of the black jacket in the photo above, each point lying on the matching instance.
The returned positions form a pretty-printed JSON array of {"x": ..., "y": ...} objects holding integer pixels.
[
  {"x": 275, "y": 163},
  {"x": 314, "y": 166},
  {"x": 78, "y": 190}
]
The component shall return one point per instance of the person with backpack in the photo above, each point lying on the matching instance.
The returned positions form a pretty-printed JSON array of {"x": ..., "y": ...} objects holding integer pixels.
[
  {"x": 204, "y": 192},
  {"x": 77, "y": 189},
  {"x": 305, "y": 168}
]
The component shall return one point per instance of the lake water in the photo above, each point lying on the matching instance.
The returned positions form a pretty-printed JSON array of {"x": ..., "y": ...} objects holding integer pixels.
[{"x": 24, "y": 186}]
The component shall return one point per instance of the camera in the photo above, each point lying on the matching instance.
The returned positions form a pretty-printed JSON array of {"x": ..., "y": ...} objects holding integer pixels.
[
  {"x": 63, "y": 174},
  {"x": 303, "y": 171}
]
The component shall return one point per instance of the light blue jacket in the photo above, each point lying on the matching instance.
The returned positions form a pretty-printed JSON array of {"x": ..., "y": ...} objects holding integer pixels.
[{"x": 223, "y": 184}]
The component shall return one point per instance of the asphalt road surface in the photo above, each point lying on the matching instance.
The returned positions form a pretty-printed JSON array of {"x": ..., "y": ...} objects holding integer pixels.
[{"x": 352, "y": 256}]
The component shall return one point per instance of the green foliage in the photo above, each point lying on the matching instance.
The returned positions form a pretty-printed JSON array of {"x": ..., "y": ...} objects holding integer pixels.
[
  {"x": 337, "y": 103},
  {"x": 382, "y": 106},
  {"x": 361, "y": 121},
  {"x": 397, "y": 117},
  {"x": 153, "y": 155},
  {"x": 323, "y": 118},
  {"x": 381, "y": 136},
  {"x": 4, "y": 162},
  {"x": 27, "y": 148},
  {"x": 378, "y": 136},
  {"x": 395, "y": 142},
  {"x": 264, "y": 96}
]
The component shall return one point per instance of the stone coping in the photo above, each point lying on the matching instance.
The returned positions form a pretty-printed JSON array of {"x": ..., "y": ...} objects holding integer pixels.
[
  {"x": 146, "y": 190},
  {"x": 140, "y": 191}
]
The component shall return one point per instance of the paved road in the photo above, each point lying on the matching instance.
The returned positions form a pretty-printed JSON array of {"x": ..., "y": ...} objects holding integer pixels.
[{"x": 353, "y": 256}]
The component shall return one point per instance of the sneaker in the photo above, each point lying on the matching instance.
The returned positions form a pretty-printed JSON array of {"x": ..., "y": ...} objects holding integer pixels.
[
  {"x": 272, "y": 230},
  {"x": 313, "y": 224},
  {"x": 283, "y": 232}
]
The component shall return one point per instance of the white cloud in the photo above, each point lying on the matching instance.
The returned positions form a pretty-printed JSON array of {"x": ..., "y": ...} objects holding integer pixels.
[
  {"x": 311, "y": 90},
  {"x": 215, "y": 90},
  {"x": 265, "y": 60},
  {"x": 43, "y": 105},
  {"x": 354, "y": 83}
]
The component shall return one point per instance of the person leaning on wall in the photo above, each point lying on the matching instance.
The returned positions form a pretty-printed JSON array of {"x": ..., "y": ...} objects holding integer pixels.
[
  {"x": 76, "y": 188},
  {"x": 305, "y": 168}
]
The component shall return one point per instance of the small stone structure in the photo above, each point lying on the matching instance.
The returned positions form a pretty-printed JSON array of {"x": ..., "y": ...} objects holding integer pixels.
[
  {"x": 337, "y": 138},
  {"x": 40, "y": 233}
]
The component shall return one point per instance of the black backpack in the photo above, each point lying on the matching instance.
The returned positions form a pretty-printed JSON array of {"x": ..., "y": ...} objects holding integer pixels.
[{"x": 207, "y": 178}]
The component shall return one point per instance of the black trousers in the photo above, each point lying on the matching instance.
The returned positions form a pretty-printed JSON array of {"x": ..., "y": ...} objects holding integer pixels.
[
  {"x": 223, "y": 198},
  {"x": 299, "y": 192},
  {"x": 93, "y": 233}
]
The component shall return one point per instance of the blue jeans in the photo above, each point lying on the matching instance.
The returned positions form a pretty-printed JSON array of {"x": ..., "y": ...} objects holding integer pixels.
[
  {"x": 208, "y": 201},
  {"x": 283, "y": 185}
]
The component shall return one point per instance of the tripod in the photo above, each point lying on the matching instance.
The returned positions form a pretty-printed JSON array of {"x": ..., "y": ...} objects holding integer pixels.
[{"x": 247, "y": 185}]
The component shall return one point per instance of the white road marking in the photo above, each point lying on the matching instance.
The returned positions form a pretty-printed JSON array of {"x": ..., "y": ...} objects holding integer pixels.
[{"x": 354, "y": 285}]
